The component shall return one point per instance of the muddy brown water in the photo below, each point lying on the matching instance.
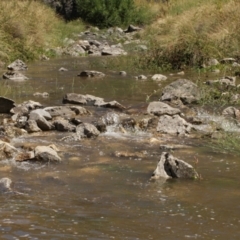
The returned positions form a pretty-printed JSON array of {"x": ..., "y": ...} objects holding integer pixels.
[{"x": 94, "y": 195}]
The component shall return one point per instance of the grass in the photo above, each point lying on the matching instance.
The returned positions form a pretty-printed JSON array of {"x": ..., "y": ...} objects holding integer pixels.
[
  {"x": 27, "y": 27},
  {"x": 191, "y": 32}
]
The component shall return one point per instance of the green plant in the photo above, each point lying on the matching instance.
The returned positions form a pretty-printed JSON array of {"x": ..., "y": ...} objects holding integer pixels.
[{"x": 108, "y": 13}]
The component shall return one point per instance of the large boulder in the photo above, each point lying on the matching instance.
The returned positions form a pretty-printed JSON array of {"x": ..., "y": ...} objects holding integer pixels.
[
  {"x": 182, "y": 89},
  {"x": 160, "y": 108},
  {"x": 173, "y": 125},
  {"x": 6, "y": 105},
  {"x": 172, "y": 167},
  {"x": 41, "y": 121}
]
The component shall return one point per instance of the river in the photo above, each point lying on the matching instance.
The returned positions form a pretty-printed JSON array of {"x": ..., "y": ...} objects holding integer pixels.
[{"x": 95, "y": 195}]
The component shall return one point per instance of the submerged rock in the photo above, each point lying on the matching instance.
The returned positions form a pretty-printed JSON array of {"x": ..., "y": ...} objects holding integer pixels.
[
  {"x": 171, "y": 167},
  {"x": 91, "y": 74},
  {"x": 160, "y": 108}
]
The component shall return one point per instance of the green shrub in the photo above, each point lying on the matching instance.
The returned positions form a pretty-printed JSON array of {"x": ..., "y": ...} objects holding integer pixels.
[{"x": 108, "y": 13}]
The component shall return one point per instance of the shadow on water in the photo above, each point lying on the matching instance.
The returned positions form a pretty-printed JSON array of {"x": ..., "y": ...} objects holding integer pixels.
[{"x": 96, "y": 195}]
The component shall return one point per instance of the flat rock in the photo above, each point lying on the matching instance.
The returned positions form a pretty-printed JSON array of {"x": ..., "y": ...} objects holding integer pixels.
[
  {"x": 159, "y": 77},
  {"x": 91, "y": 74},
  {"x": 160, "y": 108}
]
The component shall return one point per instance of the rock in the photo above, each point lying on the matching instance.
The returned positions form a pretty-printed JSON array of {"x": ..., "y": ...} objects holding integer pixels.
[
  {"x": 159, "y": 77},
  {"x": 173, "y": 125},
  {"x": 46, "y": 154},
  {"x": 125, "y": 154},
  {"x": 231, "y": 112},
  {"x": 141, "y": 77},
  {"x": 67, "y": 112},
  {"x": 213, "y": 62},
  {"x": 123, "y": 73},
  {"x": 6, "y": 104},
  {"x": 6, "y": 150},
  {"x": 171, "y": 167},
  {"x": 44, "y": 58},
  {"x": 74, "y": 50},
  {"x": 62, "y": 69},
  {"x": 5, "y": 185},
  {"x": 16, "y": 76},
  {"x": 91, "y": 74},
  {"x": 113, "y": 51},
  {"x": 17, "y": 65},
  {"x": 41, "y": 121},
  {"x": 182, "y": 89},
  {"x": 38, "y": 94},
  {"x": 32, "y": 126},
  {"x": 25, "y": 107},
  {"x": 228, "y": 81},
  {"x": 160, "y": 108},
  {"x": 74, "y": 98},
  {"x": 25, "y": 156},
  {"x": 42, "y": 113},
  {"x": 112, "y": 104},
  {"x": 228, "y": 60},
  {"x": 87, "y": 130},
  {"x": 132, "y": 28},
  {"x": 63, "y": 125},
  {"x": 90, "y": 100}
]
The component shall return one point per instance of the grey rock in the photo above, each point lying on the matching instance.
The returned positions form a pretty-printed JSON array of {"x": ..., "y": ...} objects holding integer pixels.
[
  {"x": 113, "y": 51},
  {"x": 171, "y": 167},
  {"x": 228, "y": 81},
  {"x": 173, "y": 125},
  {"x": 42, "y": 112},
  {"x": 67, "y": 112},
  {"x": 123, "y": 73},
  {"x": 63, "y": 125},
  {"x": 62, "y": 69},
  {"x": 160, "y": 108},
  {"x": 182, "y": 89},
  {"x": 15, "y": 76},
  {"x": 25, "y": 107},
  {"x": 32, "y": 127},
  {"x": 91, "y": 74},
  {"x": 38, "y": 94},
  {"x": 159, "y": 77},
  {"x": 231, "y": 112},
  {"x": 141, "y": 77},
  {"x": 41, "y": 121},
  {"x": 213, "y": 62},
  {"x": 87, "y": 130},
  {"x": 17, "y": 65}
]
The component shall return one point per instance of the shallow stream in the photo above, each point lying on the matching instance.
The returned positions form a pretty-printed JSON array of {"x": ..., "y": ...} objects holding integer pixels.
[{"x": 95, "y": 195}]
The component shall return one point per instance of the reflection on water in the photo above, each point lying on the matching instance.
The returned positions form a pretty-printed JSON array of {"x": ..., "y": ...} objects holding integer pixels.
[{"x": 95, "y": 195}]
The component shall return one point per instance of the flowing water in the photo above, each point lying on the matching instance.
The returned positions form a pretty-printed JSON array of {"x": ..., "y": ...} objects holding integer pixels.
[{"x": 95, "y": 195}]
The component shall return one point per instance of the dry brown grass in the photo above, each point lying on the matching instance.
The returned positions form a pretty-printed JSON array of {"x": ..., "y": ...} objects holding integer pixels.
[{"x": 198, "y": 29}]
